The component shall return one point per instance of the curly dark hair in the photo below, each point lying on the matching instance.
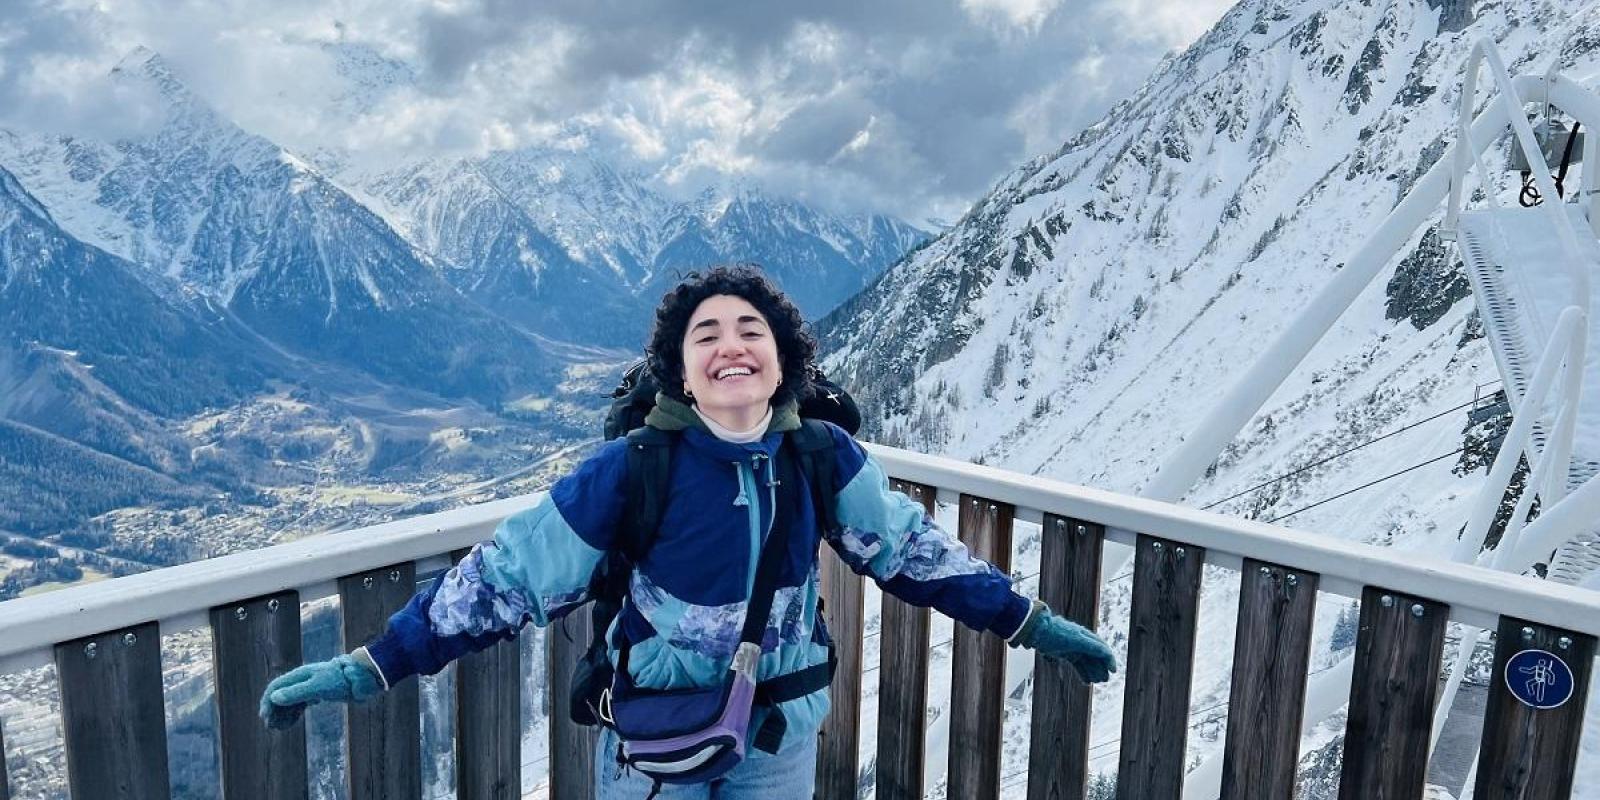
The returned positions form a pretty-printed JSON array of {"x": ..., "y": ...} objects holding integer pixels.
[{"x": 796, "y": 347}]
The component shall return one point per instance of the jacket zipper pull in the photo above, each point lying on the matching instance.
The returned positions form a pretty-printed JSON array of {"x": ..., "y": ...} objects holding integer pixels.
[{"x": 743, "y": 499}]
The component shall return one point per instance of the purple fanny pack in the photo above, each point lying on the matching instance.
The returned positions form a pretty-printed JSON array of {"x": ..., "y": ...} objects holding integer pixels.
[{"x": 684, "y": 736}]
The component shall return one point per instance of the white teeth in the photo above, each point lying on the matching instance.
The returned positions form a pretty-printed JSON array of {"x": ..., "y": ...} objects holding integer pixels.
[{"x": 733, "y": 371}]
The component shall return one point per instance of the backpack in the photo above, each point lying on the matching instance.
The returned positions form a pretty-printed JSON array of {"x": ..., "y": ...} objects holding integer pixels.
[
  {"x": 649, "y": 459},
  {"x": 636, "y": 395}
]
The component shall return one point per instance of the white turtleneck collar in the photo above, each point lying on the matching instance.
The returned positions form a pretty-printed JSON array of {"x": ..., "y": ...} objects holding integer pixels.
[{"x": 737, "y": 437}]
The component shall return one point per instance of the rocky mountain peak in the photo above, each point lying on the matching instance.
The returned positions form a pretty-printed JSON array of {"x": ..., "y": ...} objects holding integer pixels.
[{"x": 15, "y": 201}]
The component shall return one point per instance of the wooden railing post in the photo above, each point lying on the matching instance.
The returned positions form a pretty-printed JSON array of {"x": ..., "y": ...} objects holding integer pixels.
[
  {"x": 111, "y": 708},
  {"x": 1530, "y": 736},
  {"x": 1398, "y": 649},
  {"x": 1069, "y": 581},
  {"x": 571, "y": 745},
  {"x": 903, "y": 684},
  {"x": 5, "y": 786},
  {"x": 489, "y": 722},
  {"x": 837, "y": 760},
  {"x": 1155, "y": 711},
  {"x": 1270, "y": 654},
  {"x": 255, "y": 641},
  {"x": 383, "y": 744},
  {"x": 977, "y": 693},
  {"x": 1069, "y": 576}
]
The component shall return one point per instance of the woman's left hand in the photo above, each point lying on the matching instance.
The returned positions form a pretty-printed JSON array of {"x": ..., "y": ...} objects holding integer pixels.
[{"x": 1056, "y": 637}]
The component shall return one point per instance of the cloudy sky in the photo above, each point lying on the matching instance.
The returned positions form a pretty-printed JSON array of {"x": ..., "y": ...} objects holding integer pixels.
[{"x": 912, "y": 107}]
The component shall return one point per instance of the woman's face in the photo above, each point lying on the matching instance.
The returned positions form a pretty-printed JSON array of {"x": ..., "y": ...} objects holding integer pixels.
[{"x": 730, "y": 359}]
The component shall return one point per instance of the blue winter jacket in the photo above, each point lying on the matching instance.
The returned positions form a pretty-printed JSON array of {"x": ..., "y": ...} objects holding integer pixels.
[{"x": 687, "y": 597}]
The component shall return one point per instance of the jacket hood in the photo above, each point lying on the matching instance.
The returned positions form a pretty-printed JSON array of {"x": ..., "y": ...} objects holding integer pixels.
[{"x": 672, "y": 415}]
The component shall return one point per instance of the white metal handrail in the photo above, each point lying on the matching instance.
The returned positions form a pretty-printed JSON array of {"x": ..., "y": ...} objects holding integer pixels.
[
  {"x": 1476, "y": 596},
  {"x": 1522, "y": 133},
  {"x": 178, "y": 597},
  {"x": 1564, "y": 347},
  {"x": 1251, "y": 390}
]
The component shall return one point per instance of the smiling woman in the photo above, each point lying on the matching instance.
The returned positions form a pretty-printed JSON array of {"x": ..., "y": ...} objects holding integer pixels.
[{"x": 716, "y": 668}]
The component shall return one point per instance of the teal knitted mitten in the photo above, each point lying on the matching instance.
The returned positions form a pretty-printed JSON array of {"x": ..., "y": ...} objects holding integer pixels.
[
  {"x": 1060, "y": 638},
  {"x": 341, "y": 679}
]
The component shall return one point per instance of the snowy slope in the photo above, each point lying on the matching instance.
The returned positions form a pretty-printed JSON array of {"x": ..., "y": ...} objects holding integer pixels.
[
  {"x": 555, "y": 222},
  {"x": 91, "y": 363},
  {"x": 230, "y": 216},
  {"x": 1082, "y": 317}
]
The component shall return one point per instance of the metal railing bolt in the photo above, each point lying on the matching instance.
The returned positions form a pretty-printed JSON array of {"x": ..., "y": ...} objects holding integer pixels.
[
  {"x": 1417, "y": 610},
  {"x": 993, "y": 508},
  {"x": 90, "y": 649},
  {"x": 394, "y": 576},
  {"x": 129, "y": 640},
  {"x": 272, "y": 606},
  {"x": 1388, "y": 601},
  {"x": 1083, "y": 529},
  {"x": 1156, "y": 546},
  {"x": 1181, "y": 552},
  {"x": 1266, "y": 571},
  {"x": 1527, "y": 634},
  {"x": 1564, "y": 642},
  {"x": 1293, "y": 579},
  {"x": 241, "y": 614},
  {"x": 366, "y": 583}
]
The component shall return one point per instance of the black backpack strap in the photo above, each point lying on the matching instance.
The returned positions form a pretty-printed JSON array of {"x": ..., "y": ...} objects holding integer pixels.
[
  {"x": 644, "y": 502},
  {"x": 813, "y": 447},
  {"x": 786, "y": 687},
  {"x": 649, "y": 459}
]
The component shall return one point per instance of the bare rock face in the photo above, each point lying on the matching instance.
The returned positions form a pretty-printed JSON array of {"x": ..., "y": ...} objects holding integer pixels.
[
  {"x": 1454, "y": 15},
  {"x": 1427, "y": 283}
]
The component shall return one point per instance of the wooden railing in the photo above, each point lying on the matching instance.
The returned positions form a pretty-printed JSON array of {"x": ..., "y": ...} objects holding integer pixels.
[{"x": 104, "y": 641}]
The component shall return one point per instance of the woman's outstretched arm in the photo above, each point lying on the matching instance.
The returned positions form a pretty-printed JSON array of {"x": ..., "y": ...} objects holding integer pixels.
[
  {"x": 884, "y": 535},
  {"x": 537, "y": 567},
  {"x": 887, "y": 536}
]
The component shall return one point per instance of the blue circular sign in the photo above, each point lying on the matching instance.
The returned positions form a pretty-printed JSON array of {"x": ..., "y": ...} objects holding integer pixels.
[{"x": 1539, "y": 678}]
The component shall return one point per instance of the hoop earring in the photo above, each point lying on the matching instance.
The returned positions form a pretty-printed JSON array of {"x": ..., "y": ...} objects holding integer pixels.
[{"x": 687, "y": 393}]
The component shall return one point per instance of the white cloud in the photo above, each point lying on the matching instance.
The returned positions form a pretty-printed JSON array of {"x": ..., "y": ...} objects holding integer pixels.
[
  {"x": 1176, "y": 24},
  {"x": 1024, "y": 14},
  {"x": 913, "y": 107}
]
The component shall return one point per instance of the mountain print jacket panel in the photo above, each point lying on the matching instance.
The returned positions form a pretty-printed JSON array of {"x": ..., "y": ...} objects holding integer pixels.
[{"x": 687, "y": 597}]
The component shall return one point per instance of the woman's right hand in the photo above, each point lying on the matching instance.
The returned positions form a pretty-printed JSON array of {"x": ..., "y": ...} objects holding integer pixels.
[{"x": 341, "y": 679}]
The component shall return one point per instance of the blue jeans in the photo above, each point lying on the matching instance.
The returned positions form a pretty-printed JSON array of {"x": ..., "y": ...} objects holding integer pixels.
[{"x": 788, "y": 775}]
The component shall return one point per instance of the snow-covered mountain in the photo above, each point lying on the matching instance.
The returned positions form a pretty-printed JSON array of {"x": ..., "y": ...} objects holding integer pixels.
[
  {"x": 91, "y": 363},
  {"x": 236, "y": 219},
  {"x": 1081, "y": 318},
  {"x": 606, "y": 217},
  {"x": 576, "y": 249},
  {"x": 495, "y": 251}
]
